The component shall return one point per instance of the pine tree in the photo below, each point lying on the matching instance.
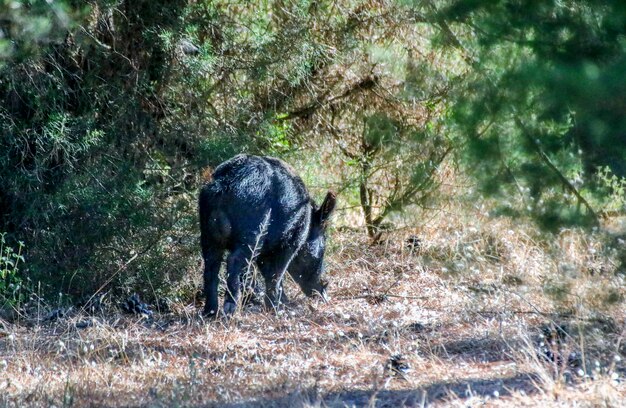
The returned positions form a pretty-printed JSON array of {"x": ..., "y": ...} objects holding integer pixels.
[{"x": 541, "y": 109}]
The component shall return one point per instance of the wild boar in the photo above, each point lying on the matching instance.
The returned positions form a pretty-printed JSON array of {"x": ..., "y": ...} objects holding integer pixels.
[{"x": 258, "y": 210}]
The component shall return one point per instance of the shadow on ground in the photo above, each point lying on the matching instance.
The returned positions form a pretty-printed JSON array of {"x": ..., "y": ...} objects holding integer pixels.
[
  {"x": 429, "y": 394},
  {"x": 483, "y": 350}
]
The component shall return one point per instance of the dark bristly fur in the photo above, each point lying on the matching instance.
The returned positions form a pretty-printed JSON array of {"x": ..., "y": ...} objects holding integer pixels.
[{"x": 256, "y": 207}]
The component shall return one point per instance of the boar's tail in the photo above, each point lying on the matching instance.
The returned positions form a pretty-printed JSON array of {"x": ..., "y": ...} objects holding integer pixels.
[{"x": 205, "y": 202}]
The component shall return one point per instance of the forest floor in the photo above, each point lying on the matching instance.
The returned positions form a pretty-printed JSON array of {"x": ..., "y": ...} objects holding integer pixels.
[{"x": 477, "y": 313}]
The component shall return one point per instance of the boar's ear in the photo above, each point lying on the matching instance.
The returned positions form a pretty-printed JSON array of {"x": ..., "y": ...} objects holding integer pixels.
[{"x": 327, "y": 207}]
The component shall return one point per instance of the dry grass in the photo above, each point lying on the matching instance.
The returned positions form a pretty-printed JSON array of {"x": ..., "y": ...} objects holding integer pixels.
[{"x": 462, "y": 314}]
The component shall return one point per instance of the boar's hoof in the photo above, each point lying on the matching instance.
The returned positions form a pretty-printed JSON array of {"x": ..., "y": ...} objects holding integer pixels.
[{"x": 229, "y": 308}]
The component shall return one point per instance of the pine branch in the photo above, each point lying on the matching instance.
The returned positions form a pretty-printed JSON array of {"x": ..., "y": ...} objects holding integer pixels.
[
  {"x": 366, "y": 83},
  {"x": 544, "y": 157}
]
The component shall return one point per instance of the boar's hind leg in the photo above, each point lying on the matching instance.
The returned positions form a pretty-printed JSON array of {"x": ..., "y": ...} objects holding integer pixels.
[
  {"x": 212, "y": 263},
  {"x": 237, "y": 262},
  {"x": 273, "y": 268}
]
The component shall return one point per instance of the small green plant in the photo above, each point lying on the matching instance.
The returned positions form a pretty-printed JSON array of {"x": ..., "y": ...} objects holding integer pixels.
[
  {"x": 10, "y": 281},
  {"x": 615, "y": 190},
  {"x": 275, "y": 135}
]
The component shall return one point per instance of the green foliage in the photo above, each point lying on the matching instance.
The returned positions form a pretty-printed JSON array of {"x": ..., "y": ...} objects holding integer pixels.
[
  {"x": 29, "y": 25},
  {"x": 613, "y": 189},
  {"x": 541, "y": 107},
  {"x": 10, "y": 279},
  {"x": 91, "y": 178},
  {"x": 111, "y": 110},
  {"x": 276, "y": 136}
]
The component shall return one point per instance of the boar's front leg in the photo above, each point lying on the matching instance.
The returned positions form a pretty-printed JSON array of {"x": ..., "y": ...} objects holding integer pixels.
[
  {"x": 273, "y": 267},
  {"x": 237, "y": 262}
]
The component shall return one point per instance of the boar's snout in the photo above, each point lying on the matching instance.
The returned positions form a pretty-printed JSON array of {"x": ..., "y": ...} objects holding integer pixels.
[
  {"x": 322, "y": 293},
  {"x": 320, "y": 289}
]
